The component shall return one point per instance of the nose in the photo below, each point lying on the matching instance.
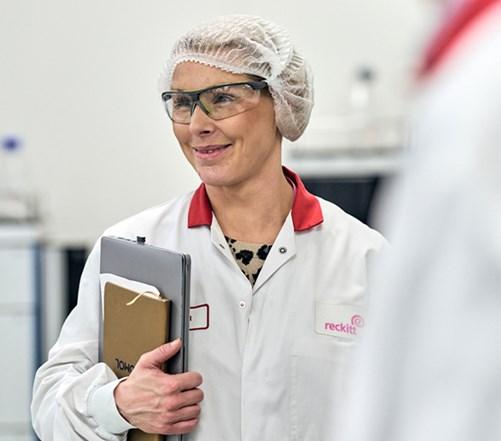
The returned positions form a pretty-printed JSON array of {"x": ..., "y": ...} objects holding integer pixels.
[{"x": 200, "y": 123}]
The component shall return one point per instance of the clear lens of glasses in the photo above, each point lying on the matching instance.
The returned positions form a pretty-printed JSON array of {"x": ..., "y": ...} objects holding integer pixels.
[{"x": 217, "y": 102}]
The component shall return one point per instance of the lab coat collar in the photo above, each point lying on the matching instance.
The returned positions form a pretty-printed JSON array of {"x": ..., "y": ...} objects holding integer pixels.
[
  {"x": 306, "y": 211},
  {"x": 219, "y": 241},
  {"x": 283, "y": 250}
]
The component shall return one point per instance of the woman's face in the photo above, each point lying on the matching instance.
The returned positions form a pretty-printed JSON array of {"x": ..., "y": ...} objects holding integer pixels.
[{"x": 232, "y": 151}]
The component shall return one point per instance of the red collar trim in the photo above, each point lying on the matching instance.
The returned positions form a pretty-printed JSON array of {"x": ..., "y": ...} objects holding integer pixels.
[
  {"x": 306, "y": 210},
  {"x": 450, "y": 32},
  {"x": 200, "y": 212}
]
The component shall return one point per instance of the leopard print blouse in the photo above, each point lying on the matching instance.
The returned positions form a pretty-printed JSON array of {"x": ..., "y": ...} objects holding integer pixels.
[{"x": 250, "y": 257}]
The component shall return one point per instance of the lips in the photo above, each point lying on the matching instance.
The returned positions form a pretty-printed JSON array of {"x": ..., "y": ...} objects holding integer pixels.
[
  {"x": 210, "y": 148},
  {"x": 210, "y": 151}
]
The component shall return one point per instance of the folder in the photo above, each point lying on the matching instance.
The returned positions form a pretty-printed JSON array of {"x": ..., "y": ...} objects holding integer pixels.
[
  {"x": 166, "y": 270},
  {"x": 134, "y": 323}
]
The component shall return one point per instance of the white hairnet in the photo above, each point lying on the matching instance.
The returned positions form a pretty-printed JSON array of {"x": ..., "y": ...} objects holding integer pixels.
[{"x": 251, "y": 45}]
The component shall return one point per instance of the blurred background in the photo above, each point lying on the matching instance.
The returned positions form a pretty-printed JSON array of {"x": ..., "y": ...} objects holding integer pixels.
[{"x": 84, "y": 140}]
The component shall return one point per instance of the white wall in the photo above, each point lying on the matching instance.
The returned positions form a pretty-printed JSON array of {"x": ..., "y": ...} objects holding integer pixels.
[{"x": 78, "y": 85}]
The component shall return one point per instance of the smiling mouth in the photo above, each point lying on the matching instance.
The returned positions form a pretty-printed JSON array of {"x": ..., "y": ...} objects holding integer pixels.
[{"x": 211, "y": 149}]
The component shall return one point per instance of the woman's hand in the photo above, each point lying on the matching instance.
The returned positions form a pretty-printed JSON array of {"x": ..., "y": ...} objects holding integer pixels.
[{"x": 156, "y": 402}]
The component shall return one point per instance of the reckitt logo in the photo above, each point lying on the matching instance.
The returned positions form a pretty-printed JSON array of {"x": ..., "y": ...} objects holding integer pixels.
[{"x": 356, "y": 321}]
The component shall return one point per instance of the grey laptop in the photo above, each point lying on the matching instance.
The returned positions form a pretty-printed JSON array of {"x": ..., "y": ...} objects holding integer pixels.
[{"x": 166, "y": 270}]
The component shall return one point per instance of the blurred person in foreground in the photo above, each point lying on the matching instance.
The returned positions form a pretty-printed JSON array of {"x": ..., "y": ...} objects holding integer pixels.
[
  {"x": 430, "y": 368},
  {"x": 281, "y": 273}
]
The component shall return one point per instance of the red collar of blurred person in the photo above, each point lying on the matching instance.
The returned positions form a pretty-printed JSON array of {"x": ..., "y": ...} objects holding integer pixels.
[{"x": 461, "y": 18}]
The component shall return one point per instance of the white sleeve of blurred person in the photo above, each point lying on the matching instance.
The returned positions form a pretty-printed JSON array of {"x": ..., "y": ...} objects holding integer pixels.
[{"x": 430, "y": 367}]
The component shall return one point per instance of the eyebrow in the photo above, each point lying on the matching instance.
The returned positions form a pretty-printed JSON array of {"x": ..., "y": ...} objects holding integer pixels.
[
  {"x": 175, "y": 89},
  {"x": 249, "y": 78}
]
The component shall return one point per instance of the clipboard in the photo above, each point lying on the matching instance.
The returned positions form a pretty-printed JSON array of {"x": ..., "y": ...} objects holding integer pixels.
[{"x": 167, "y": 270}]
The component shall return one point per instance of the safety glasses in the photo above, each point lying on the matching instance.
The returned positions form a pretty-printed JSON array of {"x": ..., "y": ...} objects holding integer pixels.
[{"x": 217, "y": 102}]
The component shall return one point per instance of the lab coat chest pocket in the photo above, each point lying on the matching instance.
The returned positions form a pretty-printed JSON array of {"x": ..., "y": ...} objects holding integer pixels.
[{"x": 320, "y": 368}]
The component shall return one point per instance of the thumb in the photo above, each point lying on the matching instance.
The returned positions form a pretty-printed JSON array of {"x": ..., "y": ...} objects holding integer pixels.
[{"x": 158, "y": 356}]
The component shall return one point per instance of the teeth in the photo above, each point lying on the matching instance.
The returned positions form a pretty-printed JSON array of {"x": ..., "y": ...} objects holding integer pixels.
[{"x": 208, "y": 151}]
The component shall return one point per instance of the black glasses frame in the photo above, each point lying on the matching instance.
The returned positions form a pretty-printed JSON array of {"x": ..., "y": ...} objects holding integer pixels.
[{"x": 195, "y": 94}]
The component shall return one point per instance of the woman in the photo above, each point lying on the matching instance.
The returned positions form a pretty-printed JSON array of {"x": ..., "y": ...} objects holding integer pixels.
[{"x": 281, "y": 273}]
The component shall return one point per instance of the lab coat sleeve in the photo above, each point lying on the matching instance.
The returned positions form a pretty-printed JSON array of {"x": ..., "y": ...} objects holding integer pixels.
[{"x": 72, "y": 386}]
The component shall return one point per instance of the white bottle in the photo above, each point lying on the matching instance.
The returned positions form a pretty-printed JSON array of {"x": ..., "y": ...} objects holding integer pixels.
[{"x": 17, "y": 198}]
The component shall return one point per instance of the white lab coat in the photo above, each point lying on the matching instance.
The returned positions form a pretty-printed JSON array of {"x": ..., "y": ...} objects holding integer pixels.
[
  {"x": 274, "y": 357},
  {"x": 430, "y": 367}
]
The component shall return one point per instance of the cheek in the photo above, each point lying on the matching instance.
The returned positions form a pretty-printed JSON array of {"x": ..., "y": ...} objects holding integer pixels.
[
  {"x": 181, "y": 133},
  {"x": 260, "y": 120},
  {"x": 262, "y": 127},
  {"x": 264, "y": 120}
]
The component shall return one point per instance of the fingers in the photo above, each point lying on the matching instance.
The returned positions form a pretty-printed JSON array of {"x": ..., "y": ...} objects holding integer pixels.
[
  {"x": 158, "y": 356},
  {"x": 188, "y": 398},
  {"x": 157, "y": 402},
  {"x": 181, "y": 427},
  {"x": 185, "y": 414},
  {"x": 186, "y": 381},
  {"x": 183, "y": 420}
]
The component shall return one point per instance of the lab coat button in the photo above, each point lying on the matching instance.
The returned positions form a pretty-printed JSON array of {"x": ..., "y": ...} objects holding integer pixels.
[
  {"x": 242, "y": 304},
  {"x": 282, "y": 250}
]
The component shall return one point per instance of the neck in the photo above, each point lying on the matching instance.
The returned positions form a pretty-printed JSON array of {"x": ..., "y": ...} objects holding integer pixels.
[{"x": 253, "y": 211}]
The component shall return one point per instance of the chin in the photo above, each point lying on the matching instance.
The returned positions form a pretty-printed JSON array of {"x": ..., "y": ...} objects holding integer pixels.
[{"x": 214, "y": 176}]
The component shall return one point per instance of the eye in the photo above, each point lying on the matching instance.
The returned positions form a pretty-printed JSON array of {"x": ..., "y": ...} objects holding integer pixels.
[
  {"x": 222, "y": 98},
  {"x": 181, "y": 101}
]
